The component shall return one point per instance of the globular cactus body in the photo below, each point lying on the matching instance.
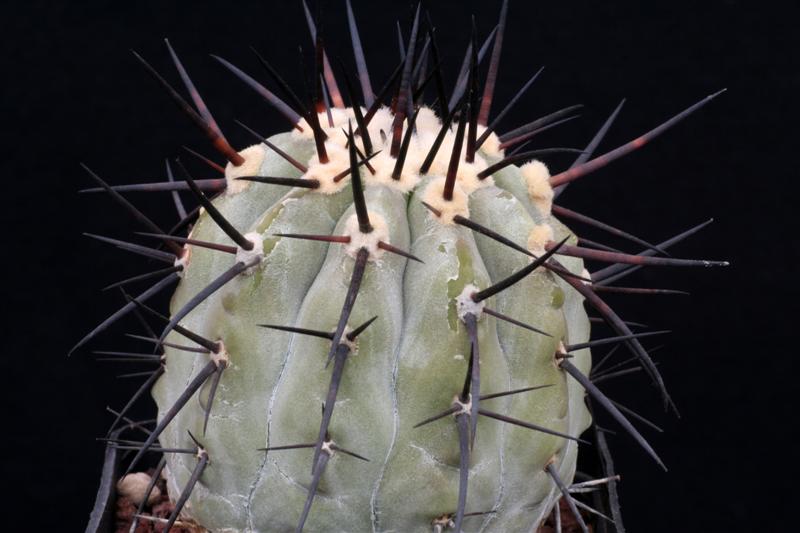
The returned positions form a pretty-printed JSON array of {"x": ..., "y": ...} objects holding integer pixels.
[
  {"x": 397, "y": 341},
  {"x": 407, "y": 365}
]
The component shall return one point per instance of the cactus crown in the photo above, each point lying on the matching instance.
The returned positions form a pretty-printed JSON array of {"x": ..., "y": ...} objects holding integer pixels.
[{"x": 410, "y": 276}]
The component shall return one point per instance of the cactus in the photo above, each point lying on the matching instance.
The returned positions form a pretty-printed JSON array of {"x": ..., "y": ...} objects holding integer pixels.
[{"x": 379, "y": 322}]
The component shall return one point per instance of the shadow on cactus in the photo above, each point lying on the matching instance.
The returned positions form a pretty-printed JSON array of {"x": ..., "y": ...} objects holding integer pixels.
[{"x": 380, "y": 319}]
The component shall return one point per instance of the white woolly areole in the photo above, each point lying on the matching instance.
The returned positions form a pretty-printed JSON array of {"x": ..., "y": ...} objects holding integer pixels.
[
  {"x": 221, "y": 357},
  {"x": 340, "y": 117},
  {"x": 338, "y": 161},
  {"x": 418, "y": 147},
  {"x": 467, "y": 176},
  {"x": 491, "y": 146},
  {"x": 134, "y": 487},
  {"x": 447, "y": 209},
  {"x": 427, "y": 120},
  {"x": 384, "y": 164},
  {"x": 248, "y": 256},
  {"x": 253, "y": 158},
  {"x": 537, "y": 177},
  {"x": 560, "y": 349},
  {"x": 427, "y": 127},
  {"x": 464, "y": 408},
  {"x": 183, "y": 260},
  {"x": 539, "y": 236},
  {"x": 466, "y": 305},
  {"x": 338, "y": 133},
  {"x": 327, "y": 447},
  {"x": 586, "y": 274},
  {"x": 381, "y": 121},
  {"x": 353, "y": 345},
  {"x": 307, "y": 132},
  {"x": 442, "y": 522},
  {"x": 443, "y": 155},
  {"x": 358, "y": 240}
]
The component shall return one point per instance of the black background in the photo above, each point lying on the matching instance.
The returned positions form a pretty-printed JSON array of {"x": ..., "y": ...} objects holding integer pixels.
[{"x": 72, "y": 92}]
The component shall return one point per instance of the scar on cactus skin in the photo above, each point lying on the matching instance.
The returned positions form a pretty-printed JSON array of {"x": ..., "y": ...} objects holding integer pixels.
[{"x": 434, "y": 234}]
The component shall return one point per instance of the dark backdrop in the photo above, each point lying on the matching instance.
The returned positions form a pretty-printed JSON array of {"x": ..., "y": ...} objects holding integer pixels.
[{"x": 72, "y": 92}]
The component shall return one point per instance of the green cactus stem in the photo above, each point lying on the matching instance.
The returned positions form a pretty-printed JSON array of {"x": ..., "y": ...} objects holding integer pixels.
[{"x": 380, "y": 320}]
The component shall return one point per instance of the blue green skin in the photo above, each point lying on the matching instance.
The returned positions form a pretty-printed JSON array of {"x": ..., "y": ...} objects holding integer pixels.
[{"x": 408, "y": 366}]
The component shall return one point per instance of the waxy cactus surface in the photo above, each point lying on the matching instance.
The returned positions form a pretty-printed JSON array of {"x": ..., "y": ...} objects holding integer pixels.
[{"x": 380, "y": 320}]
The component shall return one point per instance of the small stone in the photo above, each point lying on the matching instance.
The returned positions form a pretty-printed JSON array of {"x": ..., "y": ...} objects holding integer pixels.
[{"x": 133, "y": 487}]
